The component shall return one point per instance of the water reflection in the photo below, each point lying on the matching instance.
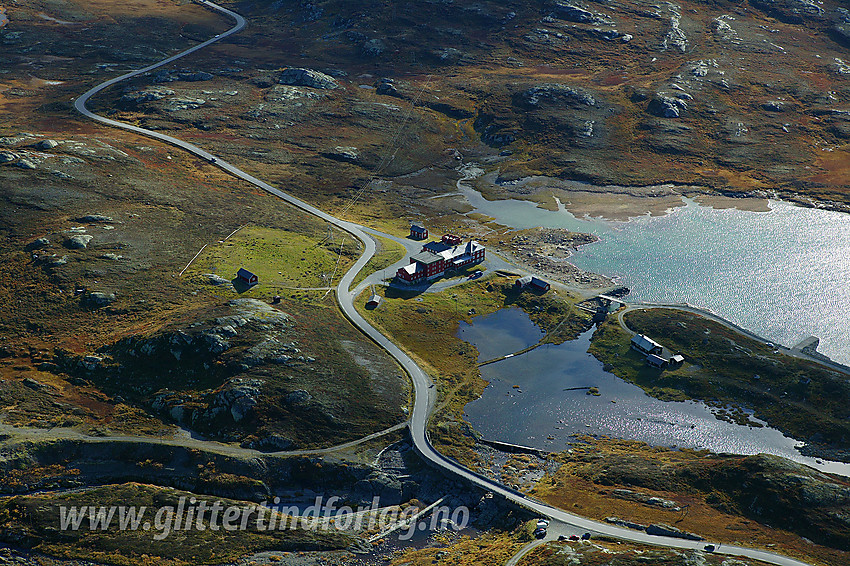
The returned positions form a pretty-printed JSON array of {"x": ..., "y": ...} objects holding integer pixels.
[
  {"x": 781, "y": 274},
  {"x": 542, "y": 411}
]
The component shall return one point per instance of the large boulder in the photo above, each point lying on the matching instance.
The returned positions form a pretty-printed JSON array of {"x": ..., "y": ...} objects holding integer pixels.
[
  {"x": 296, "y": 76},
  {"x": 78, "y": 241},
  {"x": 47, "y": 144}
]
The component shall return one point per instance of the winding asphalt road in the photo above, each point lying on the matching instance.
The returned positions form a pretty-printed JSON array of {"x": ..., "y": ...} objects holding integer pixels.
[{"x": 424, "y": 395}]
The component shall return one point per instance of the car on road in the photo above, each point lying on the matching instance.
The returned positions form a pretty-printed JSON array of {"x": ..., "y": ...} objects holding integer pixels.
[
  {"x": 477, "y": 274},
  {"x": 212, "y": 159},
  {"x": 542, "y": 523},
  {"x": 539, "y": 532},
  {"x": 709, "y": 548}
]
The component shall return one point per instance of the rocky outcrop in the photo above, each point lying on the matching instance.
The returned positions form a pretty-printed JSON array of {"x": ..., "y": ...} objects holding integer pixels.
[
  {"x": 237, "y": 398},
  {"x": 188, "y": 76},
  {"x": 666, "y": 106},
  {"x": 296, "y": 76},
  {"x": 572, "y": 12},
  {"x": 133, "y": 99},
  {"x": 556, "y": 92},
  {"x": 179, "y": 103},
  {"x": 792, "y": 11}
]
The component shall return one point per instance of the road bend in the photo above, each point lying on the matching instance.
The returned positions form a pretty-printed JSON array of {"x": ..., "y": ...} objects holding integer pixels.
[{"x": 424, "y": 396}]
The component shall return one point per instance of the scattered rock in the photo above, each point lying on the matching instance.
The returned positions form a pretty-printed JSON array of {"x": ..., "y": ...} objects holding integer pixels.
[
  {"x": 215, "y": 344},
  {"x": 78, "y": 241},
  {"x": 38, "y": 244},
  {"x": 343, "y": 153},
  {"x": 34, "y": 385},
  {"x": 307, "y": 77},
  {"x": 92, "y": 218},
  {"x": 152, "y": 94},
  {"x": 573, "y": 13},
  {"x": 773, "y": 106},
  {"x": 91, "y": 363},
  {"x": 25, "y": 164},
  {"x": 194, "y": 76},
  {"x": 386, "y": 86},
  {"x": 298, "y": 397},
  {"x": 111, "y": 256},
  {"x": 629, "y": 495},
  {"x": 791, "y": 11},
  {"x": 270, "y": 443},
  {"x": 667, "y": 106},
  {"x": 99, "y": 299},
  {"x": 56, "y": 261},
  {"x": 373, "y": 48},
  {"x": 623, "y": 523},
  {"x": 534, "y": 95},
  {"x": 838, "y": 65},
  {"x": 214, "y": 279},
  {"x": 238, "y": 397},
  {"x": 7, "y": 157},
  {"x": 179, "y": 103},
  {"x": 47, "y": 144}
]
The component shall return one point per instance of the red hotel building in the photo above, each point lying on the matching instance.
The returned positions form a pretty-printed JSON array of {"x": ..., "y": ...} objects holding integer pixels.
[{"x": 438, "y": 257}]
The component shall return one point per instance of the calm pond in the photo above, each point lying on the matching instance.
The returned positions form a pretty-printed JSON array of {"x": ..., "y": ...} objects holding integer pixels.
[{"x": 540, "y": 407}]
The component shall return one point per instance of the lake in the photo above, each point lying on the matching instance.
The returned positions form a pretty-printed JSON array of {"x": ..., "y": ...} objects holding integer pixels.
[{"x": 782, "y": 274}]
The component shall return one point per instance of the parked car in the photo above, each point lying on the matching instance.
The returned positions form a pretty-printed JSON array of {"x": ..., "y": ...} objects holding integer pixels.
[
  {"x": 574, "y": 537},
  {"x": 540, "y": 532},
  {"x": 585, "y": 536},
  {"x": 709, "y": 548}
]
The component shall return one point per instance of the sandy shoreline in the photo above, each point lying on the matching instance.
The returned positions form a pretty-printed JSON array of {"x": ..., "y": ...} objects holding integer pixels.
[{"x": 610, "y": 202}]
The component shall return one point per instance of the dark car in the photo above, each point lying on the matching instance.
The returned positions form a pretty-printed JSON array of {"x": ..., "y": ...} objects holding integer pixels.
[
  {"x": 585, "y": 536},
  {"x": 540, "y": 532},
  {"x": 709, "y": 548}
]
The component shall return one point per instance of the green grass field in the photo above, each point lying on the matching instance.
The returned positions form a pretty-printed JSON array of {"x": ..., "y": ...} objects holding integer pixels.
[{"x": 280, "y": 258}]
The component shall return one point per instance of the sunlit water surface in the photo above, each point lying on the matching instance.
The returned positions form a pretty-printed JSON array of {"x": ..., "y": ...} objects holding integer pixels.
[{"x": 540, "y": 407}]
